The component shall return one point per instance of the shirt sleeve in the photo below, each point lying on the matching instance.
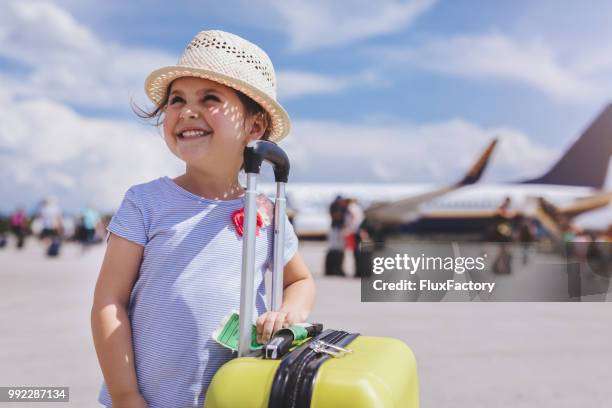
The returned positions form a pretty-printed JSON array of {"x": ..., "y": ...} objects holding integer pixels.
[{"x": 128, "y": 222}]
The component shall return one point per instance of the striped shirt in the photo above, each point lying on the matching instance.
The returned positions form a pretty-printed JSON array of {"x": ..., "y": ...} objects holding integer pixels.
[{"x": 189, "y": 280}]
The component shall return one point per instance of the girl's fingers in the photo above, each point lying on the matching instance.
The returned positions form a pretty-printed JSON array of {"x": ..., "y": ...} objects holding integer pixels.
[
  {"x": 265, "y": 325},
  {"x": 270, "y": 322},
  {"x": 268, "y": 327},
  {"x": 259, "y": 323},
  {"x": 278, "y": 324}
]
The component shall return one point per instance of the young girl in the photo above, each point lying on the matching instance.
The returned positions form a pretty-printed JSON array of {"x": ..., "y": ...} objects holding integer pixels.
[{"x": 172, "y": 267}]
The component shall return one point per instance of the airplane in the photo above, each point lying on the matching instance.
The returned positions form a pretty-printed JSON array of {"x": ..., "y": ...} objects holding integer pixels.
[
  {"x": 308, "y": 203},
  {"x": 574, "y": 185}
]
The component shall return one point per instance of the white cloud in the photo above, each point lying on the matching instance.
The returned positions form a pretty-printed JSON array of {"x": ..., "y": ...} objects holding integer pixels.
[
  {"x": 38, "y": 31},
  {"x": 294, "y": 84},
  {"x": 433, "y": 152},
  {"x": 64, "y": 60},
  {"x": 320, "y": 23},
  {"x": 48, "y": 149},
  {"x": 497, "y": 56}
]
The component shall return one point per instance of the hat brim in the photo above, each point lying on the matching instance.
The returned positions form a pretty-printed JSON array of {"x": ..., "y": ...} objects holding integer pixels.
[{"x": 157, "y": 83}]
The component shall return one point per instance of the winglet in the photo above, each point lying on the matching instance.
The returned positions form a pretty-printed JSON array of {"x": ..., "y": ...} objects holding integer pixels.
[{"x": 475, "y": 172}]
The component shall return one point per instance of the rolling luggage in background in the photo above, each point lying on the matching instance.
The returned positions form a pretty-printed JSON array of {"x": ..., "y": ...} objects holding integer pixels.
[
  {"x": 54, "y": 247},
  {"x": 334, "y": 258},
  {"x": 335, "y": 368}
]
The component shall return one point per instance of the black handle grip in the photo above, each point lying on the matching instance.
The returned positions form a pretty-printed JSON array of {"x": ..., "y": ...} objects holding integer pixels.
[{"x": 256, "y": 152}]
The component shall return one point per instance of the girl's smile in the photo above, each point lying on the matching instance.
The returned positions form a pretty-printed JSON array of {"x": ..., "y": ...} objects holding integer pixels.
[{"x": 189, "y": 134}]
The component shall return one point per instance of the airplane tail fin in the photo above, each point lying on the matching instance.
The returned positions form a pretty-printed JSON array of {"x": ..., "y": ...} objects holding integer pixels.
[
  {"x": 475, "y": 172},
  {"x": 586, "y": 162},
  {"x": 405, "y": 210}
]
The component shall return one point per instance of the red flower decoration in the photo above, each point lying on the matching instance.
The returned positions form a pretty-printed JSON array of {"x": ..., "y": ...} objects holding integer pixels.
[{"x": 238, "y": 220}]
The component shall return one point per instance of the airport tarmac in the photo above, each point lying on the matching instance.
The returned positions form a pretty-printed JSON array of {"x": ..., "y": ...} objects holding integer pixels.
[{"x": 469, "y": 354}]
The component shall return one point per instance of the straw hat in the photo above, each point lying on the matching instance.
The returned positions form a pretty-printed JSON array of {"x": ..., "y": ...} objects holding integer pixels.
[{"x": 232, "y": 61}]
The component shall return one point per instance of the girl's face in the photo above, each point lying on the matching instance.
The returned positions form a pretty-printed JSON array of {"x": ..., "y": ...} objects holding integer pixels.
[{"x": 204, "y": 124}]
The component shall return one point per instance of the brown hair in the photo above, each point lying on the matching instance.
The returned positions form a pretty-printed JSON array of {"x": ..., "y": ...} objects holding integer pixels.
[{"x": 250, "y": 107}]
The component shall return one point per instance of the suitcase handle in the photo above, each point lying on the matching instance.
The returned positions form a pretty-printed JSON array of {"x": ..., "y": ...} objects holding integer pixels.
[
  {"x": 256, "y": 152},
  {"x": 254, "y": 155}
]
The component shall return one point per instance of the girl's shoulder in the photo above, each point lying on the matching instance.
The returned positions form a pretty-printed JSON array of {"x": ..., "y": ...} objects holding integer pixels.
[
  {"x": 150, "y": 187},
  {"x": 149, "y": 192}
]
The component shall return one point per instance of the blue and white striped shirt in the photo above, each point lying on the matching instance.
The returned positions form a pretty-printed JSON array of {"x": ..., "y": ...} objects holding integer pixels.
[{"x": 189, "y": 280}]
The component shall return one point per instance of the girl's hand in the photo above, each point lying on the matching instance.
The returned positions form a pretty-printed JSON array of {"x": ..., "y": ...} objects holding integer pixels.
[{"x": 270, "y": 322}]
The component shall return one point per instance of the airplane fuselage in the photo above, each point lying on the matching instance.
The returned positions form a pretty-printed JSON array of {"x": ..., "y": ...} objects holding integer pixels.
[{"x": 311, "y": 200}]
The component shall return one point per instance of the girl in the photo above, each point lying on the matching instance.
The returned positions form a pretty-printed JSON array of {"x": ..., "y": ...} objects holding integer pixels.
[{"x": 172, "y": 267}]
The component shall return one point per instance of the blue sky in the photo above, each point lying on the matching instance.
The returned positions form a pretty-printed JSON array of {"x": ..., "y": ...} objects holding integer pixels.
[{"x": 386, "y": 91}]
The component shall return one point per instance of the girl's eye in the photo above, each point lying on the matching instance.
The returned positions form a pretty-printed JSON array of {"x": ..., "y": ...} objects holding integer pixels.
[
  {"x": 176, "y": 99},
  {"x": 213, "y": 98}
]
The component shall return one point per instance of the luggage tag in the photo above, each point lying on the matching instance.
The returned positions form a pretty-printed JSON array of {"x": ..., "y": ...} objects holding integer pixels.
[{"x": 228, "y": 333}]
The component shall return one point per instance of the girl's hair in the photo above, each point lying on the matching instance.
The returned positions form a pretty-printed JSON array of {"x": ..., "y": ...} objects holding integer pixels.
[{"x": 250, "y": 106}]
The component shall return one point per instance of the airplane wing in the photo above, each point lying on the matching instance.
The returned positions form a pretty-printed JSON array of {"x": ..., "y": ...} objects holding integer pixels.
[
  {"x": 406, "y": 210},
  {"x": 586, "y": 204},
  {"x": 551, "y": 217}
]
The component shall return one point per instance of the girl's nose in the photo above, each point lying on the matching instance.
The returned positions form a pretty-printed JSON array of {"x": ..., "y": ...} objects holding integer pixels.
[{"x": 189, "y": 113}]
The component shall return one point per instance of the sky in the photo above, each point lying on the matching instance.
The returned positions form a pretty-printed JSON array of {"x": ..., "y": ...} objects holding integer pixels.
[{"x": 385, "y": 91}]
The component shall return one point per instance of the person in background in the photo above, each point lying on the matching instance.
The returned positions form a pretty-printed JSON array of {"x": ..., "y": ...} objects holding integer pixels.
[
  {"x": 19, "y": 224},
  {"x": 503, "y": 235},
  {"x": 90, "y": 224},
  {"x": 52, "y": 225},
  {"x": 526, "y": 235},
  {"x": 334, "y": 259},
  {"x": 355, "y": 235}
]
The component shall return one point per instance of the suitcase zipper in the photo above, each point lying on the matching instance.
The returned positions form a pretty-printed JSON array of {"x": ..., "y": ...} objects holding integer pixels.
[
  {"x": 319, "y": 346},
  {"x": 302, "y": 393},
  {"x": 294, "y": 381}
]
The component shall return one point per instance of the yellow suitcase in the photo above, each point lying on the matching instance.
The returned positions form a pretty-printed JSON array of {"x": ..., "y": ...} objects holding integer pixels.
[
  {"x": 376, "y": 372},
  {"x": 380, "y": 372}
]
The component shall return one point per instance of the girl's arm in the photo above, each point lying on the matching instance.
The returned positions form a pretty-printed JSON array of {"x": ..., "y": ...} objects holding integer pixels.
[
  {"x": 112, "y": 332},
  {"x": 298, "y": 299}
]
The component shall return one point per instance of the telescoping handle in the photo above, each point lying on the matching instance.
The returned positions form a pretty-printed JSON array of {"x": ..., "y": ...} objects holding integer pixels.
[{"x": 254, "y": 155}]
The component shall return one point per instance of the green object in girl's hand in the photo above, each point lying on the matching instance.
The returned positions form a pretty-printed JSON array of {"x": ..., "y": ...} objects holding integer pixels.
[
  {"x": 298, "y": 332},
  {"x": 228, "y": 333}
]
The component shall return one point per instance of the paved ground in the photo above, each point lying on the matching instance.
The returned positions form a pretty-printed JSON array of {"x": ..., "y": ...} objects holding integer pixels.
[{"x": 469, "y": 354}]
